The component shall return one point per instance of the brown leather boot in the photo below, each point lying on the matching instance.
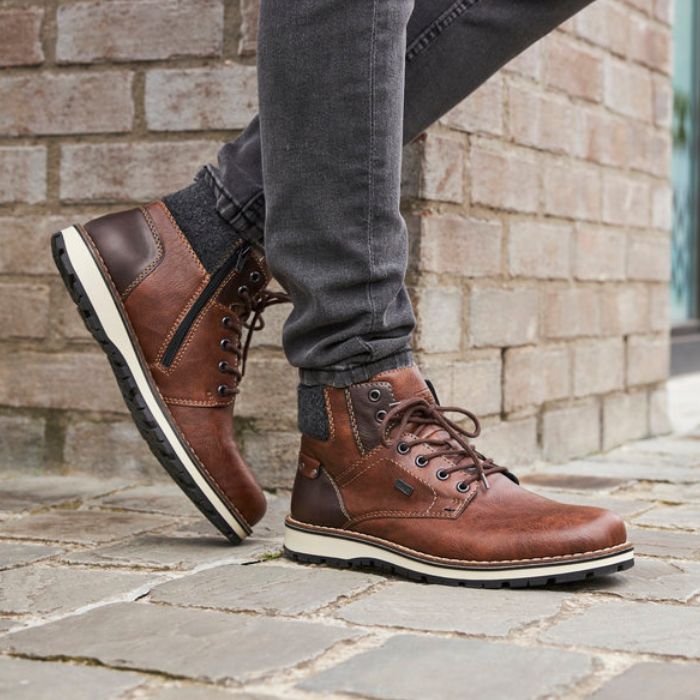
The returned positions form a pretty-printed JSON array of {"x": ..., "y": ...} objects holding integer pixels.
[
  {"x": 389, "y": 481},
  {"x": 173, "y": 335}
]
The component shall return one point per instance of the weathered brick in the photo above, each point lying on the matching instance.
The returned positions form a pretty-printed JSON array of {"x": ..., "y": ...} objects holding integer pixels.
[
  {"x": 663, "y": 10},
  {"x": 224, "y": 97},
  {"x": 21, "y": 442},
  {"x": 573, "y": 69},
  {"x": 650, "y": 44},
  {"x": 652, "y": 149},
  {"x": 647, "y": 359},
  {"x": 58, "y": 380},
  {"x": 433, "y": 168},
  {"x": 624, "y": 309},
  {"x": 503, "y": 316},
  {"x": 24, "y": 310},
  {"x": 659, "y": 421},
  {"x": 662, "y": 206},
  {"x": 529, "y": 63},
  {"x": 604, "y": 24},
  {"x": 130, "y": 172},
  {"x": 625, "y": 200},
  {"x": 482, "y": 111},
  {"x": 571, "y": 432},
  {"x": 439, "y": 312},
  {"x": 453, "y": 244},
  {"x": 659, "y": 307},
  {"x": 625, "y": 417},
  {"x": 506, "y": 179},
  {"x": 600, "y": 253},
  {"x": 269, "y": 393},
  {"x": 542, "y": 120},
  {"x": 628, "y": 90},
  {"x": 476, "y": 383},
  {"x": 569, "y": 312},
  {"x": 248, "y": 44},
  {"x": 572, "y": 190},
  {"x": 605, "y": 138},
  {"x": 599, "y": 366},
  {"x": 123, "y": 30},
  {"x": 534, "y": 375},
  {"x": 66, "y": 103},
  {"x": 273, "y": 454},
  {"x": 538, "y": 249},
  {"x": 648, "y": 258},
  {"x": 20, "y": 36},
  {"x": 113, "y": 449},
  {"x": 510, "y": 442},
  {"x": 22, "y": 174},
  {"x": 663, "y": 102},
  {"x": 24, "y": 243}
]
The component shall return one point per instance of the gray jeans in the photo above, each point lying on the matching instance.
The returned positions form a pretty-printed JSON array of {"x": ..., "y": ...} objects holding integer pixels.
[{"x": 342, "y": 86}]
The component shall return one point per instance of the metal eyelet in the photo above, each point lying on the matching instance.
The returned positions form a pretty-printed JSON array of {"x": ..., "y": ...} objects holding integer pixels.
[
  {"x": 380, "y": 415},
  {"x": 223, "y": 366},
  {"x": 462, "y": 487},
  {"x": 224, "y": 343},
  {"x": 442, "y": 475},
  {"x": 255, "y": 277},
  {"x": 242, "y": 290},
  {"x": 402, "y": 448},
  {"x": 374, "y": 395},
  {"x": 225, "y": 321},
  {"x": 421, "y": 461},
  {"x": 222, "y": 390}
]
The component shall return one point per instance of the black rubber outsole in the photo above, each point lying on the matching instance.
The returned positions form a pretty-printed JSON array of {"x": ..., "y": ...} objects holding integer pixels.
[
  {"x": 532, "y": 582},
  {"x": 145, "y": 422}
]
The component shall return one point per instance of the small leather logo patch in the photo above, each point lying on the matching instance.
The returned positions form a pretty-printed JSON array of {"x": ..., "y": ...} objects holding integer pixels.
[{"x": 406, "y": 489}]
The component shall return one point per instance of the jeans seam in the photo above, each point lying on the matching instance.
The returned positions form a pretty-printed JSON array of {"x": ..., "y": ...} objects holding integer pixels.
[
  {"x": 370, "y": 171},
  {"x": 425, "y": 39}
]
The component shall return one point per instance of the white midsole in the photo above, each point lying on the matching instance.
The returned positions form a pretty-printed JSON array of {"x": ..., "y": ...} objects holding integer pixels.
[
  {"x": 318, "y": 545},
  {"x": 110, "y": 319}
]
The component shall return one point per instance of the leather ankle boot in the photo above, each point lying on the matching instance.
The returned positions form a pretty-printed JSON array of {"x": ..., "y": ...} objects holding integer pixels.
[
  {"x": 386, "y": 479},
  {"x": 173, "y": 333}
]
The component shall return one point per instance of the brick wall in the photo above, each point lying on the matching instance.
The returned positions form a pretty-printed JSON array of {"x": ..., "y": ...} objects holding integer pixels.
[{"x": 539, "y": 211}]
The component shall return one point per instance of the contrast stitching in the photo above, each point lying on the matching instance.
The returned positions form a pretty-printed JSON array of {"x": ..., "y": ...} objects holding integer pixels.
[
  {"x": 433, "y": 31},
  {"x": 353, "y": 423},
  {"x": 155, "y": 262}
]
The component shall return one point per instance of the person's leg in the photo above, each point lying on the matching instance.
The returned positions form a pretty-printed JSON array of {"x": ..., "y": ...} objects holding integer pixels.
[{"x": 452, "y": 48}]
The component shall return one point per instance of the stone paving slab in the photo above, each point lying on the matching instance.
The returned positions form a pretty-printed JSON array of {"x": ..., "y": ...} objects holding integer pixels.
[
  {"x": 597, "y": 484},
  {"x": 651, "y": 579},
  {"x": 20, "y": 493},
  {"x": 81, "y": 526},
  {"x": 651, "y": 681},
  {"x": 648, "y": 468},
  {"x": 680, "y": 517},
  {"x": 183, "y": 642},
  {"x": 168, "y": 551},
  {"x": 22, "y": 679},
  {"x": 450, "y": 609},
  {"x": 16, "y": 553},
  {"x": 667, "y": 493},
  {"x": 41, "y": 589},
  {"x": 665, "y": 543},
  {"x": 165, "y": 498},
  {"x": 409, "y": 667},
  {"x": 264, "y": 588},
  {"x": 651, "y": 628},
  {"x": 192, "y": 692}
]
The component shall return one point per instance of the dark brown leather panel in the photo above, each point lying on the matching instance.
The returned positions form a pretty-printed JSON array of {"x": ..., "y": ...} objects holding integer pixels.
[
  {"x": 161, "y": 300},
  {"x": 129, "y": 246},
  {"x": 315, "y": 501},
  {"x": 367, "y": 402},
  {"x": 209, "y": 433}
]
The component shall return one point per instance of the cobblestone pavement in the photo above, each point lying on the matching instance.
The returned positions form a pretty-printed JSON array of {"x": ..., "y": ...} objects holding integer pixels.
[{"x": 111, "y": 589}]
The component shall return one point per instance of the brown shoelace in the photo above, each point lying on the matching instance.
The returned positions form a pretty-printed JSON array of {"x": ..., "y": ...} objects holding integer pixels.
[
  {"x": 241, "y": 319},
  {"x": 410, "y": 414}
]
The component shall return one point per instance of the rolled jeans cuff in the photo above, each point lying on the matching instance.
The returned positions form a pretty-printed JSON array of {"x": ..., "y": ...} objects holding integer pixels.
[
  {"x": 341, "y": 378},
  {"x": 246, "y": 218}
]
